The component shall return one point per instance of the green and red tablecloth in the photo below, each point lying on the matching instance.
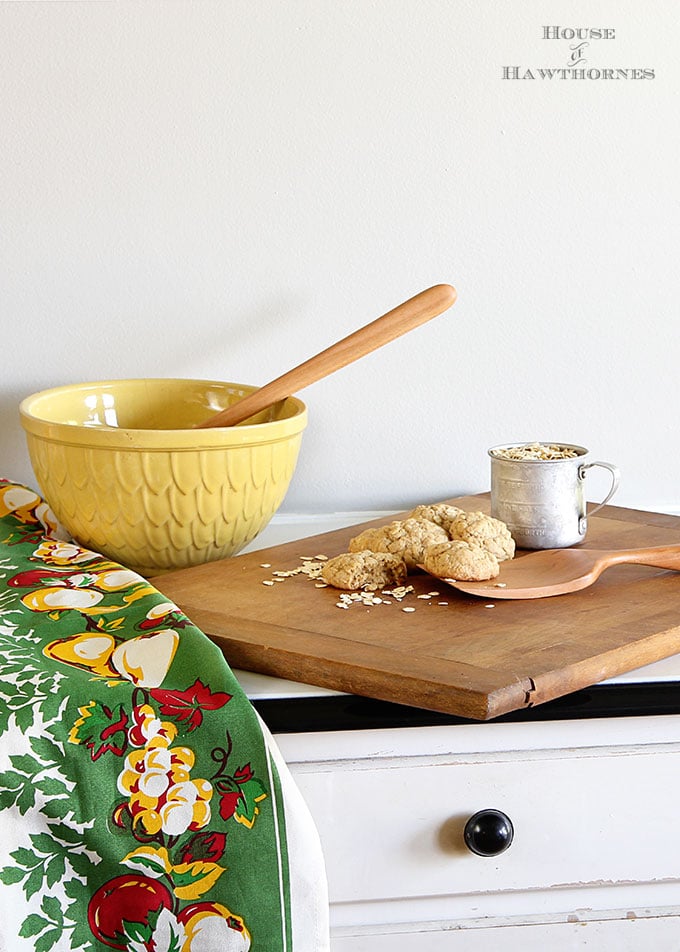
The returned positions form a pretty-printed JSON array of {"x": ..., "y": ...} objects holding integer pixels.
[{"x": 143, "y": 805}]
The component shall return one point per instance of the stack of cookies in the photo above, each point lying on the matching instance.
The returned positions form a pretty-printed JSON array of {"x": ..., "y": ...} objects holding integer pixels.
[{"x": 444, "y": 540}]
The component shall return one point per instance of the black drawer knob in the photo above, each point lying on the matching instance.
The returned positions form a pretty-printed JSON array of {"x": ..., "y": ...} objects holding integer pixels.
[{"x": 488, "y": 833}]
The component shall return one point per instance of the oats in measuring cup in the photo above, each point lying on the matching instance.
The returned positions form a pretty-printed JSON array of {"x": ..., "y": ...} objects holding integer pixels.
[{"x": 539, "y": 451}]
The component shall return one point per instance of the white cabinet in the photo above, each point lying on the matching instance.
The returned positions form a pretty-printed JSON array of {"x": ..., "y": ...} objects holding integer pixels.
[
  {"x": 595, "y": 859},
  {"x": 595, "y": 805}
]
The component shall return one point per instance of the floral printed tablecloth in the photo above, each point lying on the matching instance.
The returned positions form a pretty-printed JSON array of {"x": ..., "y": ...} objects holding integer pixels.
[{"x": 143, "y": 805}]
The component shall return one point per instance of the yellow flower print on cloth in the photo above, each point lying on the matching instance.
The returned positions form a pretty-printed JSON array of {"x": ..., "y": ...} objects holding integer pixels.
[
  {"x": 82, "y": 592},
  {"x": 144, "y": 660},
  {"x": 71, "y": 578},
  {"x": 157, "y": 779},
  {"x": 19, "y": 501},
  {"x": 64, "y": 552},
  {"x": 162, "y": 795},
  {"x": 149, "y": 728},
  {"x": 32, "y": 516}
]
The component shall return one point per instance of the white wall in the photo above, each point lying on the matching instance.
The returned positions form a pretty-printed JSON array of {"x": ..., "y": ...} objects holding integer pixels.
[{"x": 221, "y": 189}]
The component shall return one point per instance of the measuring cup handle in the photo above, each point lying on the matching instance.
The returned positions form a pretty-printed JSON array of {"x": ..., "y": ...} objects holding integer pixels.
[{"x": 616, "y": 478}]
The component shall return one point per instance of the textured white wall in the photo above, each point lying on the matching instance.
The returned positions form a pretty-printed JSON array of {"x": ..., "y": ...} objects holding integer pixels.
[{"x": 221, "y": 189}]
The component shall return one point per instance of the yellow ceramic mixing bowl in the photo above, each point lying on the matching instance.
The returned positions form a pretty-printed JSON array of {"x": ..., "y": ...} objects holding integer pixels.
[{"x": 125, "y": 473}]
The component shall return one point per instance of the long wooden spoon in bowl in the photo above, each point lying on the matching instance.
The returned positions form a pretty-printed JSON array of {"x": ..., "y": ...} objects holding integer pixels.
[
  {"x": 560, "y": 571},
  {"x": 417, "y": 310}
]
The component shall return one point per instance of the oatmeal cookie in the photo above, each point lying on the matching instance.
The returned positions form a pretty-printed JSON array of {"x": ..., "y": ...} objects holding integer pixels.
[
  {"x": 479, "y": 529},
  {"x": 439, "y": 512},
  {"x": 364, "y": 570},
  {"x": 407, "y": 538},
  {"x": 461, "y": 561}
]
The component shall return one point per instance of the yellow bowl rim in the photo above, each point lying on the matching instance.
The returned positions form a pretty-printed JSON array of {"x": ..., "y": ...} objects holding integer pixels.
[{"x": 167, "y": 440}]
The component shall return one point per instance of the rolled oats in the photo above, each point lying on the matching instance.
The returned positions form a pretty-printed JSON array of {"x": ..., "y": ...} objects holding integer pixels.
[{"x": 545, "y": 451}]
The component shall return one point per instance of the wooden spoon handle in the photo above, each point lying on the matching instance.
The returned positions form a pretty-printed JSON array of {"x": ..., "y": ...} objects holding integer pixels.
[
  {"x": 661, "y": 556},
  {"x": 417, "y": 310}
]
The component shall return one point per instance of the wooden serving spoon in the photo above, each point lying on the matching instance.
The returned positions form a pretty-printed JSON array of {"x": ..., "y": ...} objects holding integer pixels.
[
  {"x": 417, "y": 310},
  {"x": 560, "y": 571}
]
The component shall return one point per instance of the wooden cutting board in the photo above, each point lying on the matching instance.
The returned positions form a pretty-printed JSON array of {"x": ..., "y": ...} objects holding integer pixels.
[{"x": 455, "y": 653}]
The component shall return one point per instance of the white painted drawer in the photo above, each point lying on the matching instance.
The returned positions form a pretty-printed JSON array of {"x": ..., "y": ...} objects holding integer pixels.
[
  {"x": 592, "y": 816},
  {"x": 626, "y": 935}
]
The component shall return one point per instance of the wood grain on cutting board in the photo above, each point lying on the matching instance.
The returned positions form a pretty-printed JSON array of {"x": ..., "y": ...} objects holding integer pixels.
[{"x": 460, "y": 658}]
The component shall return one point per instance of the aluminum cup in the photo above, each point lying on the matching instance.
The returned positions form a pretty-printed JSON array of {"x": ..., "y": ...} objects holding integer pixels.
[{"x": 542, "y": 501}]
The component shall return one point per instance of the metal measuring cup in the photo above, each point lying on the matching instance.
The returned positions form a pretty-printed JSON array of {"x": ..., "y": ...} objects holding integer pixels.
[{"x": 542, "y": 501}]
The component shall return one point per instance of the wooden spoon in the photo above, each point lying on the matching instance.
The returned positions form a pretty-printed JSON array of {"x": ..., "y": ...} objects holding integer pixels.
[
  {"x": 559, "y": 571},
  {"x": 417, "y": 310}
]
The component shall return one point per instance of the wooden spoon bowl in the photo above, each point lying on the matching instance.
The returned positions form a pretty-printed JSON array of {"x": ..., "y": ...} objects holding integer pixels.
[{"x": 560, "y": 571}]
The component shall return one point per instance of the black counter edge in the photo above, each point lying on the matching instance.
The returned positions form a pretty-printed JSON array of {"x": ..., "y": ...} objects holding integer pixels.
[{"x": 345, "y": 712}]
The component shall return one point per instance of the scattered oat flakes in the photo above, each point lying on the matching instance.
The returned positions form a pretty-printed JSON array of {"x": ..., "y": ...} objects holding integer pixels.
[
  {"x": 489, "y": 606},
  {"x": 398, "y": 593},
  {"x": 500, "y": 585},
  {"x": 312, "y": 568},
  {"x": 265, "y": 565}
]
